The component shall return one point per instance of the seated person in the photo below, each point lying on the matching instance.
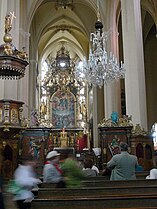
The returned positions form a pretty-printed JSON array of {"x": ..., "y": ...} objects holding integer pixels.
[
  {"x": 88, "y": 170},
  {"x": 153, "y": 171},
  {"x": 139, "y": 167},
  {"x": 94, "y": 167}
]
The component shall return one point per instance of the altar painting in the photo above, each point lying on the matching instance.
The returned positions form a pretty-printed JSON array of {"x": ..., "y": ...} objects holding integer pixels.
[{"x": 63, "y": 109}]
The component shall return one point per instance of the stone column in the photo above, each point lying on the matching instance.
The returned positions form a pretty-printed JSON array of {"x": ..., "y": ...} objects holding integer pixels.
[
  {"x": 32, "y": 85},
  {"x": 134, "y": 62},
  {"x": 23, "y": 83},
  {"x": 112, "y": 93},
  {"x": 95, "y": 118}
]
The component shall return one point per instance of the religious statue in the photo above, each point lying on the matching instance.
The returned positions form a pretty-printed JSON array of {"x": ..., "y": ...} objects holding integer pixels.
[
  {"x": 8, "y": 49},
  {"x": 114, "y": 117},
  {"x": 114, "y": 146},
  {"x": 43, "y": 108},
  {"x": 63, "y": 138},
  {"x": 22, "y": 54},
  {"x": 8, "y": 24},
  {"x": 83, "y": 109}
]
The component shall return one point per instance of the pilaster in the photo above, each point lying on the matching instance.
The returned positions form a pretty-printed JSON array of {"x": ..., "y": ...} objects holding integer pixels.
[{"x": 134, "y": 62}]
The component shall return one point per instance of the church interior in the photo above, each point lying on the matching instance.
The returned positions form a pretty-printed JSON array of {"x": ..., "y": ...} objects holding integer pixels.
[{"x": 78, "y": 76}]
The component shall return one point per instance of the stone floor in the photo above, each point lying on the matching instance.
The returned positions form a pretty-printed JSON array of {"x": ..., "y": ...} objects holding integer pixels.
[{"x": 8, "y": 199}]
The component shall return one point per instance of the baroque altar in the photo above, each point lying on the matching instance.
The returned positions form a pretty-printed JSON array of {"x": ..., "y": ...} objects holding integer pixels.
[{"x": 111, "y": 133}]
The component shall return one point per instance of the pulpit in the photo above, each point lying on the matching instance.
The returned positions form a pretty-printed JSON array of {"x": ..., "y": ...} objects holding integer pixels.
[{"x": 110, "y": 135}]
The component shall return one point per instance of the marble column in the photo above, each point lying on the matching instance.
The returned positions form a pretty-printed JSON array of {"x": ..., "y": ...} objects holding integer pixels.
[{"x": 134, "y": 62}]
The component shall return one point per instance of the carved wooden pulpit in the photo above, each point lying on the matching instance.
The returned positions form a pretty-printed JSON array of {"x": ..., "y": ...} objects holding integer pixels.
[{"x": 106, "y": 137}]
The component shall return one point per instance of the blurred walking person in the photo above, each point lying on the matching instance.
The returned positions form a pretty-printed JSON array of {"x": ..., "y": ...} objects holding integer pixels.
[
  {"x": 52, "y": 173},
  {"x": 25, "y": 176}
]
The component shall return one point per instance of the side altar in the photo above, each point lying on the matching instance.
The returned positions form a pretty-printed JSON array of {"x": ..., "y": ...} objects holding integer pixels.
[
  {"x": 39, "y": 141},
  {"x": 109, "y": 138},
  {"x": 140, "y": 143}
]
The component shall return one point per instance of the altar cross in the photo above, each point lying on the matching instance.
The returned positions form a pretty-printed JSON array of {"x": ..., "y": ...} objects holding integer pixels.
[{"x": 12, "y": 16}]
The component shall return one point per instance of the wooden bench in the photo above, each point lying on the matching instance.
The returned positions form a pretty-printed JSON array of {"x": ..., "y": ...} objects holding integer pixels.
[
  {"x": 139, "y": 175},
  {"x": 138, "y": 201},
  {"x": 48, "y": 193},
  {"x": 108, "y": 183}
]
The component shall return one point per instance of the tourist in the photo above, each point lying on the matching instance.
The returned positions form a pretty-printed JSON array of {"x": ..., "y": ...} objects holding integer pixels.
[
  {"x": 24, "y": 175},
  {"x": 89, "y": 170},
  {"x": 139, "y": 167},
  {"x": 52, "y": 173},
  {"x": 153, "y": 171},
  {"x": 123, "y": 165}
]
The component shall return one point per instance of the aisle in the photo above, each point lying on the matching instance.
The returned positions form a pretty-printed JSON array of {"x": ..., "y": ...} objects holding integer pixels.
[{"x": 8, "y": 200}]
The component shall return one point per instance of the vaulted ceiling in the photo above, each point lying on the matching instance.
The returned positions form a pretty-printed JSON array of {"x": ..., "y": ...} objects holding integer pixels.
[
  {"x": 51, "y": 26},
  {"x": 70, "y": 26}
]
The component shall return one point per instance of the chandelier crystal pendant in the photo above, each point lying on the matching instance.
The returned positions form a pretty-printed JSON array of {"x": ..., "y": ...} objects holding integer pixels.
[{"x": 101, "y": 67}]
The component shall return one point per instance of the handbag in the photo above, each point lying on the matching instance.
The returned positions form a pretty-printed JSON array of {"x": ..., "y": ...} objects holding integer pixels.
[{"x": 13, "y": 187}]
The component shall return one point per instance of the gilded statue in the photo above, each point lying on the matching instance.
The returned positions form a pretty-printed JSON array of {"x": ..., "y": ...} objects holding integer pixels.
[
  {"x": 8, "y": 23},
  {"x": 8, "y": 49},
  {"x": 63, "y": 138},
  {"x": 22, "y": 54},
  {"x": 43, "y": 108},
  {"x": 83, "y": 109}
]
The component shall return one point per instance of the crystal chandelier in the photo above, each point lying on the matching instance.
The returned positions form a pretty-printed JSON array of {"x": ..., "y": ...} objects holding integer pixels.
[{"x": 101, "y": 67}]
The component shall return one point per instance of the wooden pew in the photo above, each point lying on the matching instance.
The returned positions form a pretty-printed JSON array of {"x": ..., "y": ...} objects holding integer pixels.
[
  {"x": 139, "y": 175},
  {"x": 50, "y": 193},
  {"x": 108, "y": 183},
  {"x": 110, "y": 202}
]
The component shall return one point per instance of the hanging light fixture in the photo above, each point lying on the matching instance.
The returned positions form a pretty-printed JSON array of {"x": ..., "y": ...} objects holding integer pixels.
[
  {"x": 12, "y": 61},
  {"x": 101, "y": 67},
  {"x": 64, "y": 4}
]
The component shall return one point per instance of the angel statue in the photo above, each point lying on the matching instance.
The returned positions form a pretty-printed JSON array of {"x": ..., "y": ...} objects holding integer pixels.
[{"x": 114, "y": 117}]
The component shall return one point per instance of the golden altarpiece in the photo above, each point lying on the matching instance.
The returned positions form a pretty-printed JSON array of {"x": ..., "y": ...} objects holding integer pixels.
[{"x": 60, "y": 122}]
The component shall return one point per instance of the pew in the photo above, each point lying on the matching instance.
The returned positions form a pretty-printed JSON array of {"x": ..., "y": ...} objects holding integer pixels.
[
  {"x": 110, "y": 202},
  {"x": 139, "y": 175},
  {"x": 107, "y": 183},
  {"x": 48, "y": 193}
]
